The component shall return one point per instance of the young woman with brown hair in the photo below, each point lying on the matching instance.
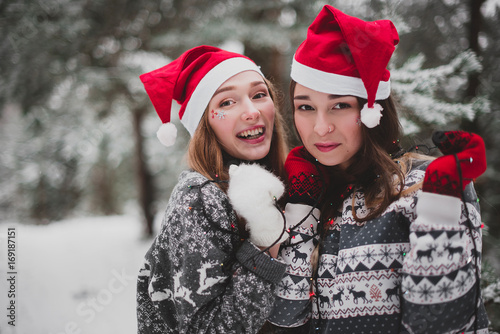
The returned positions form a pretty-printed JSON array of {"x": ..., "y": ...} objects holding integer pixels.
[
  {"x": 381, "y": 240},
  {"x": 211, "y": 269}
]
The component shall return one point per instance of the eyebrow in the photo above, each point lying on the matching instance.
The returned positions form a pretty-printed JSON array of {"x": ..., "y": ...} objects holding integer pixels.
[
  {"x": 307, "y": 98},
  {"x": 227, "y": 88}
]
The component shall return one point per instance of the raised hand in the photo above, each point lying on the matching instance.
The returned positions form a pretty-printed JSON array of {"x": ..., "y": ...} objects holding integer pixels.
[
  {"x": 464, "y": 160},
  {"x": 253, "y": 192},
  {"x": 306, "y": 180}
]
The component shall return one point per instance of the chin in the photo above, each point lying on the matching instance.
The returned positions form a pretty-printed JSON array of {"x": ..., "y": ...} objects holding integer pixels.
[
  {"x": 253, "y": 155},
  {"x": 327, "y": 162}
]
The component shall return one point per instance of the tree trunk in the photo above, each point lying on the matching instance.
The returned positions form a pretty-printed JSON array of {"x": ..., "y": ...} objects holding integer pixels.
[
  {"x": 146, "y": 191},
  {"x": 475, "y": 26}
]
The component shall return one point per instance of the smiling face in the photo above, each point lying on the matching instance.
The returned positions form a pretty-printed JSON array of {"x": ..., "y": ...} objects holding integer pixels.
[
  {"x": 328, "y": 125},
  {"x": 242, "y": 116}
]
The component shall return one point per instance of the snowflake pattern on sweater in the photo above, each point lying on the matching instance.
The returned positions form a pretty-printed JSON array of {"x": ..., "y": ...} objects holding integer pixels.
[
  {"x": 392, "y": 274},
  {"x": 198, "y": 276}
]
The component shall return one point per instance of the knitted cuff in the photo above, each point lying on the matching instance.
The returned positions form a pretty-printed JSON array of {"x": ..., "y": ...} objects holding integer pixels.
[
  {"x": 438, "y": 209},
  {"x": 260, "y": 263},
  {"x": 295, "y": 212}
]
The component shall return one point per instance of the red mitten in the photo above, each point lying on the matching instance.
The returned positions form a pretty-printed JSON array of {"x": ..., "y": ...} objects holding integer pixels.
[
  {"x": 442, "y": 175},
  {"x": 306, "y": 179}
]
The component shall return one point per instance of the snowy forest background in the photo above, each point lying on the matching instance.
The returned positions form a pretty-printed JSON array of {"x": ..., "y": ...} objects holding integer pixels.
[{"x": 77, "y": 131}]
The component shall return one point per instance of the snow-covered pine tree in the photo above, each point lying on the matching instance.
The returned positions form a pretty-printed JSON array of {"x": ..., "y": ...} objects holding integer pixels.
[{"x": 430, "y": 95}]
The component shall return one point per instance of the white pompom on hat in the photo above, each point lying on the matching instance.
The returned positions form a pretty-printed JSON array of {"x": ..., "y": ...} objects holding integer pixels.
[
  {"x": 344, "y": 55},
  {"x": 191, "y": 80},
  {"x": 167, "y": 133}
]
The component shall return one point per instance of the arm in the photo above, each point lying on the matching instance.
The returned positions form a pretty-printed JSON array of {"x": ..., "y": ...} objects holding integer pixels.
[
  {"x": 196, "y": 284},
  {"x": 305, "y": 186},
  {"x": 441, "y": 272}
]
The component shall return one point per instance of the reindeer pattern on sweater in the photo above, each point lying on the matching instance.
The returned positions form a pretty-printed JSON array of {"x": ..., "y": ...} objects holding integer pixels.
[
  {"x": 198, "y": 276},
  {"x": 392, "y": 274}
]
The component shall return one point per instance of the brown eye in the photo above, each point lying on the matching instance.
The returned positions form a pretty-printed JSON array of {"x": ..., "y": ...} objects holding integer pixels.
[
  {"x": 305, "y": 107},
  {"x": 259, "y": 96},
  {"x": 225, "y": 103},
  {"x": 342, "y": 105}
]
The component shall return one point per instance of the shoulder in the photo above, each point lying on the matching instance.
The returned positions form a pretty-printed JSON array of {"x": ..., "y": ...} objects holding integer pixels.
[
  {"x": 415, "y": 170},
  {"x": 200, "y": 196},
  {"x": 191, "y": 178},
  {"x": 420, "y": 164},
  {"x": 197, "y": 204},
  {"x": 194, "y": 186}
]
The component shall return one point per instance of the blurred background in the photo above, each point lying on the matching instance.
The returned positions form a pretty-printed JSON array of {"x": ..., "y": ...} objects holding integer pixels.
[{"x": 77, "y": 130}]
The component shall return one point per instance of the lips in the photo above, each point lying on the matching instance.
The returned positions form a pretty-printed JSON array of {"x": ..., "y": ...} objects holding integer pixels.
[
  {"x": 326, "y": 147},
  {"x": 251, "y": 134}
]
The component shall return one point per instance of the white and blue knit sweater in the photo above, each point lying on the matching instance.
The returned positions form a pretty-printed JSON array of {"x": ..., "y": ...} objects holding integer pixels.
[
  {"x": 409, "y": 270},
  {"x": 198, "y": 276}
]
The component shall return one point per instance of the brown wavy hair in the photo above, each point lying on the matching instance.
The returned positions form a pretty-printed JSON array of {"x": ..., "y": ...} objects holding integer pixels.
[
  {"x": 373, "y": 168},
  {"x": 207, "y": 157}
]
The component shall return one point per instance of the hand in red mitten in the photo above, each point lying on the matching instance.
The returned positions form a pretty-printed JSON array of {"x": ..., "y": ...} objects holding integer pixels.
[
  {"x": 306, "y": 179},
  {"x": 442, "y": 175}
]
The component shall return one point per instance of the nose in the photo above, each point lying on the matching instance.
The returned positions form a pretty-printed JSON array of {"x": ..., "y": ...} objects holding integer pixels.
[
  {"x": 322, "y": 127},
  {"x": 250, "y": 112}
]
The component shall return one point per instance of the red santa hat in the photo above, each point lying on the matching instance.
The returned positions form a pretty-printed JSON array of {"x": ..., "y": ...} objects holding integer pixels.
[
  {"x": 191, "y": 80},
  {"x": 344, "y": 55}
]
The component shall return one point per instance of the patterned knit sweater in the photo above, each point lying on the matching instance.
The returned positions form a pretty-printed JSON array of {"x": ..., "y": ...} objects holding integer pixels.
[
  {"x": 409, "y": 270},
  {"x": 198, "y": 276}
]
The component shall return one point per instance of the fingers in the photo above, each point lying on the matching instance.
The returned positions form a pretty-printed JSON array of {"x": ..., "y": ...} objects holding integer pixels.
[
  {"x": 451, "y": 142},
  {"x": 464, "y": 161},
  {"x": 473, "y": 158}
]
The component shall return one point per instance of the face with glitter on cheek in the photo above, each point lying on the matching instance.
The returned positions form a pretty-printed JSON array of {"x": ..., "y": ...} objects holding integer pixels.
[{"x": 242, "y": 116}]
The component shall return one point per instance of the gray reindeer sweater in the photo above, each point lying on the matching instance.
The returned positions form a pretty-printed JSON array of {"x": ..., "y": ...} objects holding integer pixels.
[
  {"x": 198, "y": 276},
  {"x": 409, "y": 270}
]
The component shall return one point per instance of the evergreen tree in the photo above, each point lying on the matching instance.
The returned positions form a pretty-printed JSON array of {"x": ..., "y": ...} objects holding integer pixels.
[{"x": 77, "y": 127}]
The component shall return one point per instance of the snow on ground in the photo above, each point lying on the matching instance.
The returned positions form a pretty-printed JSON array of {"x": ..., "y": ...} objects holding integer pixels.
[{"x": 76, "y": 276}]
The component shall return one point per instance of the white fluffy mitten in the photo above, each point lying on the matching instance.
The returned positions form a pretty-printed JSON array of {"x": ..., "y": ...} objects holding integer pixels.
[{"x": 252, "y": 191}]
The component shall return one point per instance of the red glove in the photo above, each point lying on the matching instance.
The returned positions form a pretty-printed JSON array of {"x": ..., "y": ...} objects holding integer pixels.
[
  {"x": 306, "y": 178},
  {"x": 442, "y": 175}
]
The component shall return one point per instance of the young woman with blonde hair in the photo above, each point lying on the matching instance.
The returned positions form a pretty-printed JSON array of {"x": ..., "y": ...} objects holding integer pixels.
[{"x": 212, "y": 267}]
